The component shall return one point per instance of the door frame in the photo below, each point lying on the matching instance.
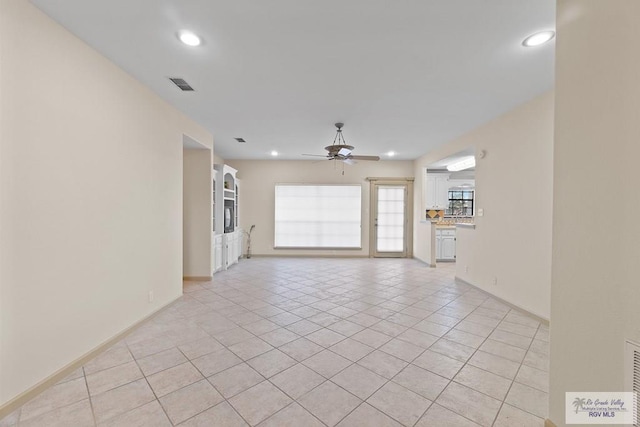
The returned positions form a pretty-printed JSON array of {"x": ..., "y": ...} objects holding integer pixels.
[{"x": 408, "y": 181}]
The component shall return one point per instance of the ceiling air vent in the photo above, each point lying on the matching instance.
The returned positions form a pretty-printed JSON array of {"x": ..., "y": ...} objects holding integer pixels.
[
  {"x": 632, "y": 375},
  {"x": 240, "y": 140},
  {"x": 181, "y": 83}
]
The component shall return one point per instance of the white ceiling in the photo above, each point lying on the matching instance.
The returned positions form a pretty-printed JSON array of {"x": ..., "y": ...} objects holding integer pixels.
[{"x": 404, "y": 75}]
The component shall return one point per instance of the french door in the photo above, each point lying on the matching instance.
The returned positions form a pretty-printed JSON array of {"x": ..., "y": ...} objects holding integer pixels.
[{"x": 390, "y": 217}]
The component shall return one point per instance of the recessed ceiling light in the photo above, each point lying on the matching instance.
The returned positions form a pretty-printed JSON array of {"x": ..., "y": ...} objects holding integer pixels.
[
  {"x": 189, "y": 38},
  {"x": 274, "y": 153},
  {"x": 538, "y": 38},
  {"x": 391, "y": 153}
]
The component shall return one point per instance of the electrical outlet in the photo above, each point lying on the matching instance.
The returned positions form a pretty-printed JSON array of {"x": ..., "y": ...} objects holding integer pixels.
[
  {"x": 150, "y": 296},
  {"x": 466, "y": 268},
  {"x": 480, "y": 212},
  {"x": 495, "y": 281}
]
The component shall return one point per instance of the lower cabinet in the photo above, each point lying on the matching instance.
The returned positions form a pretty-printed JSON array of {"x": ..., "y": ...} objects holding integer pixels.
[
  {"x": 230, "y": 240},
  {"x": 217, "y": 253},
  {"x": 445, "y": 245},
  {"x": 240, "y": 243},
  {"x": 227, "y": 250}
]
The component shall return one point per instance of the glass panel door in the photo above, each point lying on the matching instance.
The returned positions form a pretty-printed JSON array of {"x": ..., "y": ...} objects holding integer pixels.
[{"x": 390, "y": 220}]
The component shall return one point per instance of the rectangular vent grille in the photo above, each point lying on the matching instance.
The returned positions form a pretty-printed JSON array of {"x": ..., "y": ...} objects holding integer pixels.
[
  {"x": 636, "y": 385},
  {"x": 633, "y": 376},
  {"x": 181, "y": 83},
  {"x": 240, "y": 139}
]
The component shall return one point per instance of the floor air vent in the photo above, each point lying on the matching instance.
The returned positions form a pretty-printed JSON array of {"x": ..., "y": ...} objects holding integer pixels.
[
  {"x": 181, "y": 83},
  {"x": 632, "y": 374}
]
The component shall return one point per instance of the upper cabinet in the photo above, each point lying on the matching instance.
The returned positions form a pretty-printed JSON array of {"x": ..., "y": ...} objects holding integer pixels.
[
  {"x": 213, "y": 199},
  {"x": 437, "y": 195},
  {"x": 227, "y": 246},
  {"x": 229, "y": 182},
  {"x": 226, "y": 199},
  {"x": 438, "y": 187}
]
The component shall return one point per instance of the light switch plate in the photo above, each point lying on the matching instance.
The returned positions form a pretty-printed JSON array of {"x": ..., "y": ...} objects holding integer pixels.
[{"x": 480, "y": 212}]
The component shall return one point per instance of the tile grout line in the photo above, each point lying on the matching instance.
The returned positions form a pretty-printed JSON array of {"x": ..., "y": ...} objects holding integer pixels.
[
  {"x": 215, "y": 388},
  {"x": 86, "y": 383},
  {"x": 514, "y": 380},
  {"x": 150, "y": 388},
  {"x": 465, "y": 364}
]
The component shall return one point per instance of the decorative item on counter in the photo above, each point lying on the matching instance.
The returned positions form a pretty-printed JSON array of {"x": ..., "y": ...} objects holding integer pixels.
[{"x": 435, "y": 214}]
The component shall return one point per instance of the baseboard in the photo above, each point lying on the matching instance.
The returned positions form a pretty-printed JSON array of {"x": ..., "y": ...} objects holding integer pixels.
[
  {"x": 549, "y": 423},
  {"x": 64, "y": 372},
  {"x": 197, "y": 278},
  {"x": 505, "y": 302},
  {"x": 425, "y": 262}
]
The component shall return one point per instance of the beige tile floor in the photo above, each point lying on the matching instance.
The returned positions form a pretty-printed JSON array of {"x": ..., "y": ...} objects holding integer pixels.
[{"x": 314, "y": 342}]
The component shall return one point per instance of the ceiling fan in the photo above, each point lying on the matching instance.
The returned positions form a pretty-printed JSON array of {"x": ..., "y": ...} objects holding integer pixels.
[{"x": 339, "y": 150}]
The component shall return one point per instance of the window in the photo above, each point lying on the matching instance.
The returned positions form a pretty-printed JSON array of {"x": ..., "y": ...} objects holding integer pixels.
[
  {"x": 460, "y": 203},
  {"x": 318, "y": 216}
]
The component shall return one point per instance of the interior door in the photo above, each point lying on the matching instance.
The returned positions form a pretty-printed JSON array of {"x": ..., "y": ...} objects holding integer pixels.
[{"x": 390, "y": 220}]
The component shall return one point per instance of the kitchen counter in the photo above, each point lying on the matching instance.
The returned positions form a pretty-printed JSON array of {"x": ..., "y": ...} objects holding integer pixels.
[{"x": 465, "y": 225}]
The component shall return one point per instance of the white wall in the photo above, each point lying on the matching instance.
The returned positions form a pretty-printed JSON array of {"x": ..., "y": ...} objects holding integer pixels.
[
  {"x": 257, "y": 194},
  {"x": 595, "y": 304},
  {"x": 90, "y": 197},
  {"x": 197, "y": 226},
  {"x": 217, "y": 160},
  {"x": 512, "y": 241}
]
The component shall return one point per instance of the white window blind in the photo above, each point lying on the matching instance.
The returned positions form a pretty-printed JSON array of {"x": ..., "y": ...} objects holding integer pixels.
[{"x": 318, "y": 216}]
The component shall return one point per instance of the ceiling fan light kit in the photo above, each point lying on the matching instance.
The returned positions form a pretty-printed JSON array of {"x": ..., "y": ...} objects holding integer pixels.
[{"x": 340, "y": 150}]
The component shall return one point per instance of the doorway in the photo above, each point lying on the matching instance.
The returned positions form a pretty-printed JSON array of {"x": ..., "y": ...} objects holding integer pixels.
[
  {"x": 197, "y": 202},
  {"x": 391, "y": 213}
]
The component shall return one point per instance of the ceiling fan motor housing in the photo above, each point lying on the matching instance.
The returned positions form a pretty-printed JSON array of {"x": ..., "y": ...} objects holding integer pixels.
[
  {"x": 335, "y": 149},
  {"x": 339, "y": 150}
]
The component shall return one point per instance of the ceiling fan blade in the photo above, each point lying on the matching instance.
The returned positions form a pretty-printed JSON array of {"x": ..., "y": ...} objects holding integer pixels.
[
  {"x": 375, "y": 158},
  {"x": 344, "y": 152},
  {"x": 315, "y": 155},
  {"x": 349, "y": 161}
]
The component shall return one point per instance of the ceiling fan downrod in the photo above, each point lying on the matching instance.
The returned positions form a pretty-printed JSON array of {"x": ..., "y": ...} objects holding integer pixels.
[{"x": 339, "y": 139}]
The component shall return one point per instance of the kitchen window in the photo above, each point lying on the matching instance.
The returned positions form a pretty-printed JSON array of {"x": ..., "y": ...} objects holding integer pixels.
[{"x": 460, "y": 203}]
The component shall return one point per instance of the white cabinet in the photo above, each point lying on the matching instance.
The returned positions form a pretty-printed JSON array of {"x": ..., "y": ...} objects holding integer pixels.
[
  {"x": 445, "y": 244},
  {"x": 448, "y": 248},
  {"x": 226, "y": 201},
  {"x": 437, "y": 196},
  {"x": 442, "y": 192},
  {"x": 239, "y": 243},
  {"x": 213, "y": 200},
  {"x": 227, "y": 241},
  {"x": 229, "y": 248},
  {"x": 217, "y": 253}
]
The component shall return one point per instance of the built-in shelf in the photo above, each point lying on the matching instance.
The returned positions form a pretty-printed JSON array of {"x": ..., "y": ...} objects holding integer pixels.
[{"x": 228, "y": 237}]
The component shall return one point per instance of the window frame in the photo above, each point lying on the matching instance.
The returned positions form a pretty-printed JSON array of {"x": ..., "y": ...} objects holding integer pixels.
[{"x": 449, "y": 210}]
